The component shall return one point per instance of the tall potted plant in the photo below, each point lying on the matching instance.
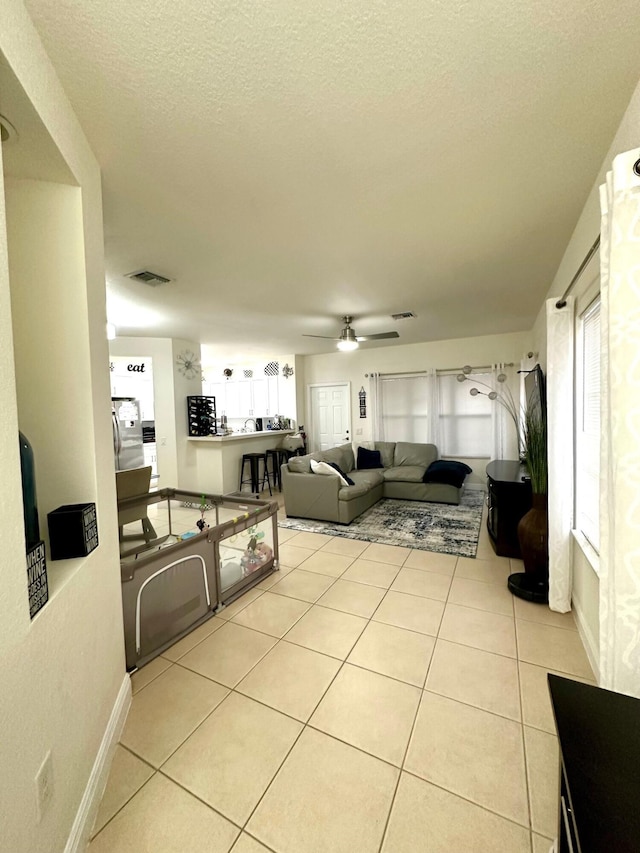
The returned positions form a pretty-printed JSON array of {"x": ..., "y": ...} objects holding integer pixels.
[{"x": 533, "y": 527}]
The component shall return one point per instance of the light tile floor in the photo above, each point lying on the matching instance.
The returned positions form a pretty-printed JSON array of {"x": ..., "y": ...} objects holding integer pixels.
[{"x": 364, "y": 699}]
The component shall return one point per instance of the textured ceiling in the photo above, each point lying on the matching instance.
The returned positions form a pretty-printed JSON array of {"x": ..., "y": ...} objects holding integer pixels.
[{"x": 288, "y": 163}]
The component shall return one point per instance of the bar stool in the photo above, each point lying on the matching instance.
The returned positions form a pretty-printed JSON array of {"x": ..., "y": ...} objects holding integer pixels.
[
  {"x": 254, "y": 460},
  {"x": 278, "y": 456}
]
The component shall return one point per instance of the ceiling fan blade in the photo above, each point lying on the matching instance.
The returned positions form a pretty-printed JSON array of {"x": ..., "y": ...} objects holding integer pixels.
[
  {"x": 324, "y": 337},
  {"x": 379, "y": 337}
]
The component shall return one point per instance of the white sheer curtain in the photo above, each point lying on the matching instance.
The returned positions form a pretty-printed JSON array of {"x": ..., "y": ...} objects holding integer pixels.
[
  {"x": 503, "y": 429},
  {"x": 375, "y": 407},
  {"x": 620, "y": 427},
  {"x": 560, "y": 437},
  {"x": 433, "y": 409}
]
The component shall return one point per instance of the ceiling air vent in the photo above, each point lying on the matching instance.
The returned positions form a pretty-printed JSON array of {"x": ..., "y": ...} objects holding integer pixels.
[
  {"x": 403, "y": 315},
  {"x": 148, "y": 277}
]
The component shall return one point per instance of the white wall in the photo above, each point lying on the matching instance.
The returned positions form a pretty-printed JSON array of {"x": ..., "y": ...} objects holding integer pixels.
[
  {"x": 60, "y": 673},
  {"x": 352, "y": 367},
  {"x": 160, "y": 350},
  {"x": 586, "y": 584}
]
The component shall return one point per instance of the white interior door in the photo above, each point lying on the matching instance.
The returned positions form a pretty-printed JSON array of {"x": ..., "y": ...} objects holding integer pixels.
[{"x": 330, "y": 415}]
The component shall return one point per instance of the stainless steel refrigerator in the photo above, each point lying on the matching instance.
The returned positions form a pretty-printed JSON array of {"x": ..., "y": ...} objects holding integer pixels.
[{"x": 127, "y": 433}]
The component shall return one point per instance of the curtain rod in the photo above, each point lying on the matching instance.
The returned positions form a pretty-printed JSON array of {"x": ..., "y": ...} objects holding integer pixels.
[
  {"x": 439, "y": 370},
  {"x": 563, "y": 299}
]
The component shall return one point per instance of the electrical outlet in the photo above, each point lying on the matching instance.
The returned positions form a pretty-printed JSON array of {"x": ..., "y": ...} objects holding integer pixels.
[{"x": 44, "y": 786}]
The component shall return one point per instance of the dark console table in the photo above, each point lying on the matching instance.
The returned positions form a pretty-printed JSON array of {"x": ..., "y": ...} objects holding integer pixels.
[
  {"x": 599, "y": 737},
  {"x": 509, "y": 499}
]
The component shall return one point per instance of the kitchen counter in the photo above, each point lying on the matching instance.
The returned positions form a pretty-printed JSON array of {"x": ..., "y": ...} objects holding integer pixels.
[
  {"x": 218, "y": 457},
  {"x": 241, "y": 435}
]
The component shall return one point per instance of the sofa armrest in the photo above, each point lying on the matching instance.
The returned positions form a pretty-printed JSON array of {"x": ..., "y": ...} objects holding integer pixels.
[{"x": 310, "y": 495}]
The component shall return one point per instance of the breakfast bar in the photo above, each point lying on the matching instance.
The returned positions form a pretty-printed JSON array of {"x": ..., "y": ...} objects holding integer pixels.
[{"x": 218, "y": 457}]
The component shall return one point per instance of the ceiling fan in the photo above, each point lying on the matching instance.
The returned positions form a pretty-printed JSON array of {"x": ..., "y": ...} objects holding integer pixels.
[{"x": 348, "y": 340}]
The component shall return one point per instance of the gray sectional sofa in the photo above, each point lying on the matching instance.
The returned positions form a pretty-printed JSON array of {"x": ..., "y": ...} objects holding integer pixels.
[{"x": 309, "y": 495}]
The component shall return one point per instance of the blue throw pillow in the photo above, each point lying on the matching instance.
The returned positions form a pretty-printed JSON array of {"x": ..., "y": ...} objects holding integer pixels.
[
  {"x": 342, "y": 474},
  {"x": 446, "y": 471},
  {"x": 368, "y": 459}
]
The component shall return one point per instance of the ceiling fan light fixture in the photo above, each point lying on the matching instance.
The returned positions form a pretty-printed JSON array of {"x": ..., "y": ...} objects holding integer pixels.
[{"x": 347, "y": 345}]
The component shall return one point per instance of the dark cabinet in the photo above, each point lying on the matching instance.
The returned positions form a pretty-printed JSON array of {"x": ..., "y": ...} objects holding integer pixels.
[
  {"x": 509, "y": 498},
  {"x": 599, "y": 739}
]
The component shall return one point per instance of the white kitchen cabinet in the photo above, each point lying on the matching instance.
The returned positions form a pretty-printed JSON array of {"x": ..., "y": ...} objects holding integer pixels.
[
  {"x": 273, "y": 397},
  {"x": 259, "y": 398}
]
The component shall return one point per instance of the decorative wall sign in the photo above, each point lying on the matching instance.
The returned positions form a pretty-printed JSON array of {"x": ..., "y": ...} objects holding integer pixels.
[
  {"x": 188, "y": 364},
  {"x": 362, "y": 396},
  {"x": 73, "y": 531},
  {"x": 37, "y": 578},
  {"x": 272, "y": 368},
  {"x": 287, "y": 371}
]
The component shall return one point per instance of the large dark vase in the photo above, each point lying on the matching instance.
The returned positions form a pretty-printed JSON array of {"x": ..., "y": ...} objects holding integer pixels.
[{"x": 533, "y": 536}]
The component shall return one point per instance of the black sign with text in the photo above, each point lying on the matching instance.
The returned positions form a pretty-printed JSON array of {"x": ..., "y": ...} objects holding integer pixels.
[{"x": 37, "y": 578}]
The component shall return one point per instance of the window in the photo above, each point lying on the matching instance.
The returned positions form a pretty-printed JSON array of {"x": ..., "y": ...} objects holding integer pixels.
[
  {"x": 465, "y": 421},
  {"x": 404, "y": 407},
  {"x": 588, "y": 424}
]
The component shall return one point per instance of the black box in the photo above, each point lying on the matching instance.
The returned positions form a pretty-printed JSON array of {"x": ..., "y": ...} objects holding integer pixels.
[
  {"x": 73, "y": 531},
  {"x": 37, "y": 578}
]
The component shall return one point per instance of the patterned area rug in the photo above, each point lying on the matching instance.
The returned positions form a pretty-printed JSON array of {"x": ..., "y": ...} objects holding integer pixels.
[{"x": 412, "y": 524}]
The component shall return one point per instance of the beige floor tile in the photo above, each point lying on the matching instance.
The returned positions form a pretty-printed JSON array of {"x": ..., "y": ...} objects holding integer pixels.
[
  {"x": 274, "y": 578},
  {"x": 536, "y": 704},
  {"x": 540, "y": 844},
  {"x": 370, "y": 711},
  {"x": 485, "y": 596},
  {"x": 327, "y": 797},
  {"x": 392, "y": 651},
  {"x": 541, "y": 613},
  {"x": 305, "y": 586},
  {"x": 292, "y": 556},
  {"x": 179, "y": 649},
  {"x": 326, "y": 563},
  {"x": 165, "y": 713},
  {"x": 285, "y": 534},
  {"x": 543, "y": 772},
  {"x": 426, "y": 584},
  {"x": 159, "y": 818},
  {"x": 476, "y": 677},
  {"x": 392, "y": 555},
  {"x": 426, "y": 819},
  {"x": 356, "y": 598},
  {"x": 148, "y": 673},
  {"x": 327, "y": 631},
  {"x": 230, "y": 610},
  {"x": 233, "y": 756},
  {"x": 127, "y": 775},
  {"x": 472, "y": 753},
  {"x": 310, "y": 540},
  {"x": 430, "y": 561},
  {"x": 495, "y": 570},
  {"x": 345, "y": 547},
  {"x": 247, "y": 844},
  {"x": 410, "y": 611},
  {"x": 229, "y": 654},
  {"x": 291, "y": 679},
  {"x": 555, "y": 648},
  {"x": 479, "y": 628},
  {"x": 272, "y": 614},
  {"x": 372, "y": 573}
]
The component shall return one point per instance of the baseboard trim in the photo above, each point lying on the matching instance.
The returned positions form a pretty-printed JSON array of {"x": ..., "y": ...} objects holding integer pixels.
[
  {"x": 86, "y": 814},
  {"x": 588, "y": 640}
]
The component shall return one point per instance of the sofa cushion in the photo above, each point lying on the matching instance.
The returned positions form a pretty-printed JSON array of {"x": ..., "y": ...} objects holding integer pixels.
[
  {"x": 350, "y": 493},
  {"x": 301, "y": 464},
  {"x": 370, "y": 477},
  {"x": 387, "y": 449},
  {"x": 368, "y": 459},
  {"x": 332, "y": 470},
  {"x": 405, "y": 473},
  {"x": 447, "y": 471},
  {"x": 342, "y": 456},
  {"x": 410, "y": 453}
]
